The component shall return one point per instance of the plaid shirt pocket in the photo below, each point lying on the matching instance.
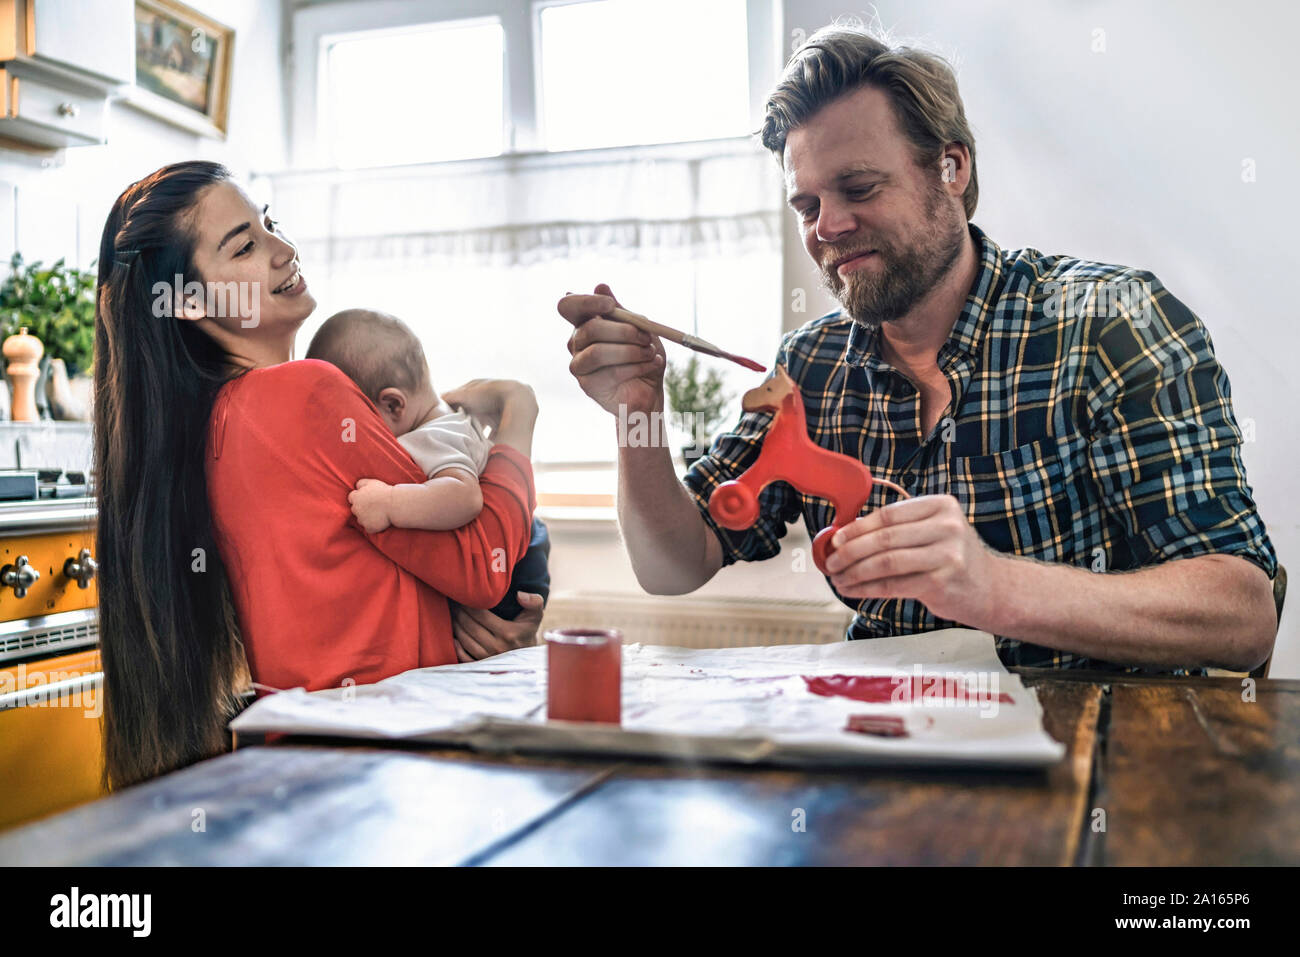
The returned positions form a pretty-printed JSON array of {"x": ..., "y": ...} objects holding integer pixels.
[{"x": 1014, "y": 499}]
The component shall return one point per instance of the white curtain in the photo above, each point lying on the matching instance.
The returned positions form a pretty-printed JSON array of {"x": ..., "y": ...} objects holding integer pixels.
[{"x": 473, "y": 255}]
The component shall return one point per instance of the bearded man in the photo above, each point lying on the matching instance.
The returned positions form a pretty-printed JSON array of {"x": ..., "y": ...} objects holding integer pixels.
[{"x": 1064, "y": 426}]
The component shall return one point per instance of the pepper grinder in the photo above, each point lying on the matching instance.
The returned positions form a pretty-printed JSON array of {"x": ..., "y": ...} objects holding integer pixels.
[{"x": 24, "y": 354}]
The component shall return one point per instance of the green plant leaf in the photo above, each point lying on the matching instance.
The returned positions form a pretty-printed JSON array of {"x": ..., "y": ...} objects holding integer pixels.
[
  {"x": 57, "y": 305},
  {"x": 697, "y": 391}
]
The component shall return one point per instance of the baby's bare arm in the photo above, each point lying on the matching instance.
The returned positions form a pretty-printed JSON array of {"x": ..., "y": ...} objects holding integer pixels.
[{"x": 450, "y": 499}]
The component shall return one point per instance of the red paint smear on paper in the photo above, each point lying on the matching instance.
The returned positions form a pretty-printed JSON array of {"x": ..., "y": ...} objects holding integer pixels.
[{"x": 882, "y": 689}]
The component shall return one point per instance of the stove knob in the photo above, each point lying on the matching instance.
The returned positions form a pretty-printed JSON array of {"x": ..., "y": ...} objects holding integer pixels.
[
  {"x": 81, "y": 569},
  {"x": 19, "y": 576}
]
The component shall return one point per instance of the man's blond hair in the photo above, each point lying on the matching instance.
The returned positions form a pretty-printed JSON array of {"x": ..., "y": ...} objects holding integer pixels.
[{"x": 840, "y": 59}]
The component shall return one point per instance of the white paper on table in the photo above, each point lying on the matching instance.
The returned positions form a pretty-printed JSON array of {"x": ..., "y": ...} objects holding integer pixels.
[{"x": 719, "y": 704}]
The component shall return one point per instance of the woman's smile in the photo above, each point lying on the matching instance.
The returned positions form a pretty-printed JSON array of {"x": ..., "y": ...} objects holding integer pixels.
[{"x": 293, "y": 286}]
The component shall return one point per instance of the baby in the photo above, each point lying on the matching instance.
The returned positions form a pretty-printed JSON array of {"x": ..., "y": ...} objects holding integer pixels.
[{"x": 384, "y": 358}]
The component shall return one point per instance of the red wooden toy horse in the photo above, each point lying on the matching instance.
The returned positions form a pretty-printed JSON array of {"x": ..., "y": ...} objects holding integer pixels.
[{"x": 789, "y": 455}]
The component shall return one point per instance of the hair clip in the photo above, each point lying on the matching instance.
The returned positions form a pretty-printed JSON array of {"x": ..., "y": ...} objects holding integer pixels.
[{"x": 125, "y": 257}]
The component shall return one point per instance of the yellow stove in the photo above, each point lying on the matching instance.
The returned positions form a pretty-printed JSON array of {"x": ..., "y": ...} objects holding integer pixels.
[{"x": 51, "y": 685}]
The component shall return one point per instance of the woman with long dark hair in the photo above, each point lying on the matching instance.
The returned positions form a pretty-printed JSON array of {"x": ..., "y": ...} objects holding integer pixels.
[{"x": 223, "y": 469}]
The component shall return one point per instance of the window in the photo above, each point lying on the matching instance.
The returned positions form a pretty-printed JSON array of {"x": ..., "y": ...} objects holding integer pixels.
[
  {"x": 616, "y": 72},
  {"x": 414, "y": 95},
  {"x": 494, "y": 214},
  {"x": 479, "y": 320},
  {"x": 386, "y": 84}
]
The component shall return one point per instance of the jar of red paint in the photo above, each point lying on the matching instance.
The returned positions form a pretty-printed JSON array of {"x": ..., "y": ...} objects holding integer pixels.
[{"x": 584, "y": 675}]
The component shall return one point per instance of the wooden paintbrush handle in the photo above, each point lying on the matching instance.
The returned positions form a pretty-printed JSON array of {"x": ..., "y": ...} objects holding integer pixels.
[
  {"x": 681, "y": 338},
  {"x": 646, "y": 325}
]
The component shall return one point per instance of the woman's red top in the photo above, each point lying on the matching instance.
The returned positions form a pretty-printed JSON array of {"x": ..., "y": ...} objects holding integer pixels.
[{"x": 319, "y": 601}]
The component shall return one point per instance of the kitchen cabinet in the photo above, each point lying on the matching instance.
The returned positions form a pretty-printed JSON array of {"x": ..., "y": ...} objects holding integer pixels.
[{"x": 60, "y": 63}]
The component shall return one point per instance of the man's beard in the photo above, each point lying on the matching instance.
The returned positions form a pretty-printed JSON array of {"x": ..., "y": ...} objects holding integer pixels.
[{"x": 906, "y": 273}]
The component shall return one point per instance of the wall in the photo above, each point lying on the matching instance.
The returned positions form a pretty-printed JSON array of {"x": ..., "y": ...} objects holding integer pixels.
[
  {"x": 1135, "y": 155},
  {"x": 54, "y": 204}
]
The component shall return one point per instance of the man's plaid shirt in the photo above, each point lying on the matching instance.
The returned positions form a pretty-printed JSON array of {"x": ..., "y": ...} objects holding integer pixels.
[{"x": 1091, "y": 426}]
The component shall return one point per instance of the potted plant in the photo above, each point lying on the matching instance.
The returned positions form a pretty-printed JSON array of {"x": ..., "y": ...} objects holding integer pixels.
[
  {"x": 697, "y": 397},
  {"x": 56, "y": 304}
]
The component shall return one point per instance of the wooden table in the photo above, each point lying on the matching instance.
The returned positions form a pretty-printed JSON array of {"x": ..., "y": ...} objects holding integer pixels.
[{"x": 1184, "y": 771}]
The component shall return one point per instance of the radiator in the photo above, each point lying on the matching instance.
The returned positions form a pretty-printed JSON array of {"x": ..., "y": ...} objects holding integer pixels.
[{"x": 701, "y": 622}]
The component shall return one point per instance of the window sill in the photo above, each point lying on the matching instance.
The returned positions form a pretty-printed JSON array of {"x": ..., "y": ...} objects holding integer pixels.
[
  {"x": 577, "y": 518},
  {"x": 576, "y": 493}
]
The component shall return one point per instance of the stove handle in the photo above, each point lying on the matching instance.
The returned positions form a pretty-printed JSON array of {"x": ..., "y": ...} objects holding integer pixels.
[
  {"x": 81, "y": 569},
  {"x": 19, "y": 576}
]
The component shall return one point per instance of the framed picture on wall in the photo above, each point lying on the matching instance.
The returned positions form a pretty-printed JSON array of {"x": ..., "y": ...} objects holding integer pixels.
[{"x": 182, "y": 66}]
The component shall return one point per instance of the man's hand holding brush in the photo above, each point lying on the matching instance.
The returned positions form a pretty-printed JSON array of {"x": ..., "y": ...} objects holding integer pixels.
[
  {"x": 616, "y": 363},
  {"x": 622, "y": 368}
]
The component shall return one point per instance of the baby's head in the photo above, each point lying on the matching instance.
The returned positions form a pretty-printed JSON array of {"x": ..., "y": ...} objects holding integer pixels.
[{"x": 384, "y": 358}]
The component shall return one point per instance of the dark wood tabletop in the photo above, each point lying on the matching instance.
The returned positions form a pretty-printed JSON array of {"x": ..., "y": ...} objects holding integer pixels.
[{"x": 1157, "y": 771}]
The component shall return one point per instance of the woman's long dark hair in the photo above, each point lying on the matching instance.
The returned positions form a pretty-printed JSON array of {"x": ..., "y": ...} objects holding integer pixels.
[{"x": 169, "y": 638}]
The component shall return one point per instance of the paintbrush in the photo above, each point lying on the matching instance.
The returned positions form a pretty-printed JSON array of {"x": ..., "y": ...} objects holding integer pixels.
[{"x": 681, "y": 338}]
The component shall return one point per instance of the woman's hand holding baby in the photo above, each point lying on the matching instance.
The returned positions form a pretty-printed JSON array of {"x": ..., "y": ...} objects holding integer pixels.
[
  {"x": 509, "y": 407},
  {"x": 370, "y": 504},
  {"x": 481, "y": 634}
]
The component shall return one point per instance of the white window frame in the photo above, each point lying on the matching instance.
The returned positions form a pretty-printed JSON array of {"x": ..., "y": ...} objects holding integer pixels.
[{"x": 317, "y": 26}]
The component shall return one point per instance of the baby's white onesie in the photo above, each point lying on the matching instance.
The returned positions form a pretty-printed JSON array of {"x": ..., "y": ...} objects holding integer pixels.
[{"x": 452, "y": 440}]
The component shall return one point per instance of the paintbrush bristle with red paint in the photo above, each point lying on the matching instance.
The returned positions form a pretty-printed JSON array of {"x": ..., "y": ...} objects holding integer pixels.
[{"x": 679, "y": 337}]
